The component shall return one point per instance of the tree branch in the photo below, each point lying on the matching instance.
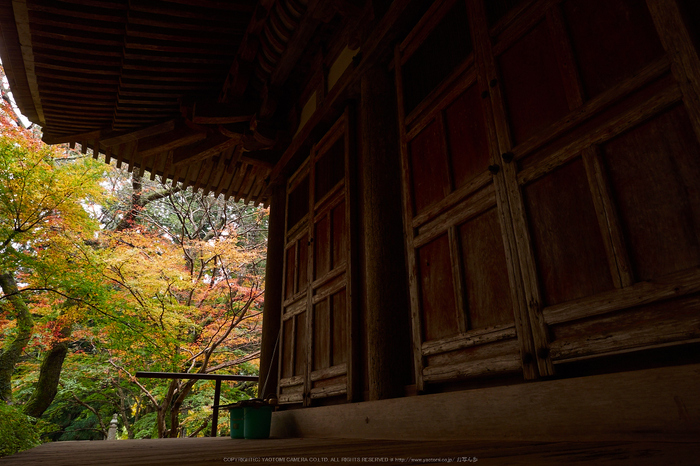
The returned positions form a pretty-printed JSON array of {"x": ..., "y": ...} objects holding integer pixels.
[{"x": 94, "y": 411}]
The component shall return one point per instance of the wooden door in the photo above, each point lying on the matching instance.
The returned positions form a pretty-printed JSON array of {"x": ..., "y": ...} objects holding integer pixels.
[
  {"x": 551, "y": 166},
  {"x": 464, "y": 286},
  {"x": 597, "y": 120},
  {"x": 318, "y": 319}
]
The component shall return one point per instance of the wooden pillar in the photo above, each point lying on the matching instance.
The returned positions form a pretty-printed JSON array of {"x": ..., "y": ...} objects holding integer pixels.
[
  {"x": 386, "y": 302},
  {"x": 215, "y": 419},
  {"x": 272, "y": 310}
]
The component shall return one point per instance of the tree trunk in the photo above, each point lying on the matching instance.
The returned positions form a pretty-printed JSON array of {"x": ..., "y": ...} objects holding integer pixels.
[
  {"x": 182, "y": 393},
  {"x": 136, "y": 202},
  {"x": 13, "y": 350},
  {"x": 124, "y": 411},
  {"x": 49, "y": 375}
]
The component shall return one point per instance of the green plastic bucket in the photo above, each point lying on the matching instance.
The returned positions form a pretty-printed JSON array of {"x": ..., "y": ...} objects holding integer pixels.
[
  {"x": 257, "y": 421},
  {"x": 237, "y": 422}
]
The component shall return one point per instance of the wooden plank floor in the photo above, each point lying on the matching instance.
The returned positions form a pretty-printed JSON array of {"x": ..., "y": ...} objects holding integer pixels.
[{"x": 173, "y": 452}]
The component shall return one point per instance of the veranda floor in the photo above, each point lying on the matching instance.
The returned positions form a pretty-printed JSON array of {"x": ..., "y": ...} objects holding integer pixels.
[{"x": 221, "y": 450}]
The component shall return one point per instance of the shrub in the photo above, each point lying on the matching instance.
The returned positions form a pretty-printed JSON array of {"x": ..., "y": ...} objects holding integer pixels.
[{"x": 16, "y": 431}]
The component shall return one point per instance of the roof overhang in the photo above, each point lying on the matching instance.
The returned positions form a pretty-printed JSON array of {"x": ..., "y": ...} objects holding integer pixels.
[{"x": 187, "y": 90}]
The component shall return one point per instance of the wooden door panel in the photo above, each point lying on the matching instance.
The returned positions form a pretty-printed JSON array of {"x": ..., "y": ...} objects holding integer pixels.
[
  {"x": 612, "y": 39},
  {"x": 428, "y": 167},
  {"x": 300, "y": 344},
  {"x": 303, "y": 260},
  {"x": 290, "y": 263},
  {"x": 329, "y": 169},
  {"x": 569, "y": 249},
  {"x": 439, "y": 310},
  {"x": 661, "y": 323},
  {"x": 322, "y": 246},
  {"x": 480, "y": 360},
  {"x": 298, "y": 203},
  {"x": 534, "y": 92},
  {"x": 339, "y": 251},
  {"x": 339, "y": 328},
  {"x": 287, "y": 348},
  {"x": 488, "y": 298},
  {"x": 322, "y": 336},
  {"x": 466, "y": 136},
  {"x": 317, "y": 354},
  {"x": 559, "y": 83},
  {"x": 659, "y": 199}
]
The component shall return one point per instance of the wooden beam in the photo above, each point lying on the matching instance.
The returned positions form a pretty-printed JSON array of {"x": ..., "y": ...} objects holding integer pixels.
[
  {"x": 654, "y": 404},
  {"x": 138, "y": 134},
  {"x": 296, "y": 46},
  {"x": 197, "y": 375},
  {"x": 209, "y": 147},
  {"x": 213, "y": 113},
  {"x": 25, "y": 39},
  {"x": 180, "y": 136},
  {"x": 678, "y": 42},
  {"x": 72, "y": 137},
  {"x": 373, "y": 49}
]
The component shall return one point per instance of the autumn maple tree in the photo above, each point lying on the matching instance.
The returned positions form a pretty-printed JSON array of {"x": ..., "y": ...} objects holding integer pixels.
[
  {"x": 106, "y": 272},
  {"x": 188, "y": 267},
  {"x": 43, "y": 225}
]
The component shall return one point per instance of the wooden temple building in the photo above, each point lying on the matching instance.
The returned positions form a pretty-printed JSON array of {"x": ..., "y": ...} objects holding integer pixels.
[{"x": 485, "y": 214}]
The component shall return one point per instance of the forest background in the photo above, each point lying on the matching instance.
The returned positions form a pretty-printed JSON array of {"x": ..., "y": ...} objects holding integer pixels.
[{"x": 105, "y": 272}]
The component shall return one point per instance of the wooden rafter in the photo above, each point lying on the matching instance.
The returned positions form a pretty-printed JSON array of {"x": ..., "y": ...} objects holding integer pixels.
[
  {"x": 178, "y": 137},
  {"x": 213, "y": 113},
  {"x": 139, "y": 134},
  {"x": 209, "y": 147}
]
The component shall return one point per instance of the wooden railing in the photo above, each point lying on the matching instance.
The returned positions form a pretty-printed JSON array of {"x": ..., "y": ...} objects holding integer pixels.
[{"x": 217, "y": 391}]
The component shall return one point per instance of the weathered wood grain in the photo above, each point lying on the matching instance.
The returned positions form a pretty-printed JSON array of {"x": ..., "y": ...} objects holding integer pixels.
[
  {"x": 480, "y": 368},
  {"x": 207, "y": 450},
  {"x": 655, "y": 325},
  {"x": 648, "y": 405},
  {"x": 674, "y": 285}
]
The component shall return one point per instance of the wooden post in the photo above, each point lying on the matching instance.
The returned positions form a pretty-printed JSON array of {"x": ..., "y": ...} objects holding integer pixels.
[
  {"x": 215, "y": 419},
  {"x": 387, "y": 309},
  {"x": 272, "y": 310}
]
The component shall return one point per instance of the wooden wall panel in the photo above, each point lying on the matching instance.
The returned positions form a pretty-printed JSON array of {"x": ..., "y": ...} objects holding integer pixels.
[
  {"x": 466, "y": 136},
  {"x": 322, "y": 335},
  {"x": 339, "y": 328},
  {"x": 603, "y": 190},
  {"x": 446, "y": 47},
  {"x": 318, "y": 353},
  {"x": 330, "y": 169},
  {"x": 287, "y": 359},
  {"x": 663, "y": 323},
  {"x": 322, "y": 246},
  {"x": 437, "y": 290},
  {"x": 303, "y": 269},
  {"x": 485, "y": 270},
  {"x": 298, "y": 203},
  {"x": 340, "y": 237},
  {"x": 475, "y": 353},
  {"x": 569, "y": 249},
  {"x": 534, "y": 92},
  {"x": 289, "y": 272},
  {"x": 659, "y": 199},
  {"x": 300, "y": 344},
  {"x": 612, "y": 39},
  {"x": 428, "y": 167}
]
